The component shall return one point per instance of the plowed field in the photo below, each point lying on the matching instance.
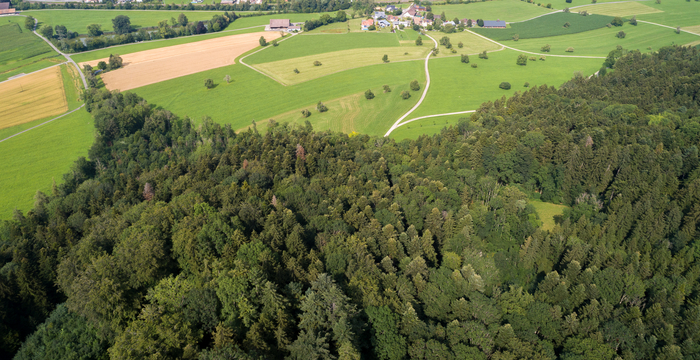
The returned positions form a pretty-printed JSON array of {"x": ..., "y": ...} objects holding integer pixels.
[
  {"x": 153, "y": 66},
  {"x": 32, "y": 97}
]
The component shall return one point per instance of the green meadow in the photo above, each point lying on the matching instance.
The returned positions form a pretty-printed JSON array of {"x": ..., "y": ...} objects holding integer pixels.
[
  {"x": 21, "y": 51},
  {"x": 508, "y": 10},
  {"x": 429, "y": 126},
  {"x": 455, "y": 86},
  {"x": 472, "y": 44},
  {"x": 547, "y": 212},
  {"x": 600, "y": 42},
  {"x": 253, "y": 96},
  {"x": 550, "y": 25},
  {"x": 32, "y": 159},
  {"x": 675, "y": 13}
]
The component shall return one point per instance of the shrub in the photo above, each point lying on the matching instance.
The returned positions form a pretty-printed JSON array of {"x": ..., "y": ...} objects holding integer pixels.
[
  {"x": 566, "y": 10},
  {"x": 532, "y": 58},
  {"x": 305, "y": 113},
  {"x": 209, "y": 83},
  {"x": 546, "y": 48},
  {"x": 321, "y": 107},
  {"x": 504, "y": 85},
  {"x": 415, "y": 86},
  {"x": 522, "y": 59},
  {"x": 227, "y": 78},
  {"x": 465, "y": 58},
  {"x": 102, "y": 65},
  {"x": 678, "y": 30},
  {"x": 633, "y": 21},
  {"x": 543, "y": 58},
  {"x": 262, "y": 41},
  {"x": 566, "y": 25},
  {"x": 274, "y": 43},
  {"x": 549, "y": 6},
  {"x": 372, "y": 28},
  {"x": 369, "y": 95},
  {"x": 387, "y": 88},
  {"x": 621, "y": 35},
  {"x": 445, "y": 41},
  {"x": 405, "y": 95},
  {"x": 474, "y": 65},
  {"x": 385, "y": 58},
  {"x": 317, "y": 63},
  {"x": 483, "y": 55},
  {"x": 296, "y": 71},
  {"x": 516, "y": 37},
  {"x": 527, "y": 84},
  {"x": 617, "y": 21},
  {"x": 460, "y": 45},
  {"x": 570, "y": 49},
  {"x": 454, "y": 51}
]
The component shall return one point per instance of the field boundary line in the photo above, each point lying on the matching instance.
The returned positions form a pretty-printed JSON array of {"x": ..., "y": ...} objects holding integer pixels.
[
  {"x": 44, "y": 123},
  {"x": 425, "y": 91},
  {"x": 33, "y": 72},
  {"x": 666, "y": 26},
  {"x": 257, "y": 51}
]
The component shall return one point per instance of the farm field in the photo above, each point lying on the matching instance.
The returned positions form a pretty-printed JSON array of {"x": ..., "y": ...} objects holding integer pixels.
[
  {"x": 356, "y": 113},
  {"x": 152, "y": 66},
  {"x": 624, "y": 9},
  {"x": 337, "y": 61},
  {"x": 547, "y": 212},
  {"x": 508, "y": 10},
  {"x": 20, "y": 50},
  {"x": 334, "y": 28},
  {"x": 600, "y": 42},
  {"x": 675, "y": 13},
  {"x": 472, "y": 44},
  {"x": 455, "y": 86},
  {"x": 239, "y": 102},
  {"x": 30, "y": 160},
  {"x": 550, "y": 25},
  {"x": 429, "y": 126},
  {"x": 32, "y": 97},
  {"x": 694, "y": 29}
]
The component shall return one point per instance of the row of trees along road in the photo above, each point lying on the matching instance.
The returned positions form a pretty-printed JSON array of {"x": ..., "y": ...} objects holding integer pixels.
[{"x": 180, "y": 241}]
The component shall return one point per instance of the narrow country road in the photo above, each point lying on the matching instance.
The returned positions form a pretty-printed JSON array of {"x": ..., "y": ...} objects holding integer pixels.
[{"x": 82, "y": 76}]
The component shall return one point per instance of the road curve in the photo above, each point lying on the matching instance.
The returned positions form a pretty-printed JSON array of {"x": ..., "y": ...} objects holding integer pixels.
[{"x": 425, "y": 91}]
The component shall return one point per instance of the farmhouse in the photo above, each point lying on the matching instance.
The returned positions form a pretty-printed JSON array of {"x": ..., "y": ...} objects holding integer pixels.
[
  {"x": 281, "y": 25},
  {"x": 367, "y": 23},
  {"x": 498, "y": 24},
  {"x": 5, "y": 8}
]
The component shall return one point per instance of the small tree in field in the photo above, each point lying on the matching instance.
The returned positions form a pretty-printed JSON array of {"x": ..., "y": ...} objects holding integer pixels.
[
  {"x": 305, "y": 113},
  {"x": 321, "y": 107},
  {"x": 474, "y": 65},
  {"x": 483, "y": 55},
  {"x": 516, "y": 37},
  {"x": 527, "y": 84},
  {"x": 617, "y": 21},
  {"x": 570, "y": 49},
  {"x": 504, "y": 85},
  {"x": 465, "y": 58},
  {"x": 227, "y": 78},
  {"x": 262, "y": 41},
  {"x": 369, "y": 95},
  {"x": 566, "y": 25},
  {"x": 522, "y": 59},
  {"x": 415, "y": 86},
  {"x": 621, "y": 35},
  {"x": 678, "y": 30},
  {"x": 274, "y": 43},
  {"x": 102, "y": 65},
  {"x": 29, "y": 23},
  {"x": 633, "y": 21},
  {"x": 296, "y": 71},
  {"x": 419, "y": 41},
  {"x": 460, "y": 45},
  {"x": 115, "y": 61},
  {"x": 543, "y": 58},
  {"x": 546, "y": 48},
  {"x": 209, "y": 83},
  {"x": 387, "y": 88},
  {"x": 405, "y": 95},
  {"x": 385, "y": 58},
  {"x": 46, "y": 31},
  {"x": 317, "y": 63}
]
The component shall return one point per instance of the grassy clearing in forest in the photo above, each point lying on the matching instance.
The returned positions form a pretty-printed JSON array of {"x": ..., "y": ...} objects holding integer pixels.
[
  {"x": 20, "y": 50},
  {"x": 550, "y": 25},
  {"x": 455, "y": 86},
  {"x": 600, "y": 42},
  {"x": 508, "y": 10},
  {"x": 624, "y": 9},
  {"x": 547, "y": 212},
  {"x": 429, "y": 126},
  {"x": 32, "y": 159},
  {"x": 253, "y": 96}
]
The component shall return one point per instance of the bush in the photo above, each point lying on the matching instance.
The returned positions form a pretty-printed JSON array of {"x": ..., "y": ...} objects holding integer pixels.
[
  {"x": 385, "y": 58},
  {"x": 372, "y": 28},
  {"x": 321, "y": 107},
  {"x": 568, "y": 1},
  {"x": 546, "y": 48},
  {"x": 274, "y": 43},
  {"x": 516, "y": 37},
  {"x": 570, "y": 49},
  {"x": 474, "y": 65},
  {"x": 543, "y": 58},
  {"x": 621, "y": 35},
  {"x": 415, "y": 86},
  {"x": 369, "y": 95},
  {"x": 678, "y": 30},
  {"x": 262, "y": 41},
  {"x": 465, "y": 58},
  {"x": 209, "y": 83},
  {"x": 445, "y": 41},
  {"x": 504, "y": 85},
  {"x": 633, "y": 21},
  {"x": 387, "y": 88},
  {"x": 419, "y": 40},
  {"x": 317, "y": 63},
  {"x": 460, "y": 45},
  {"x": 566, "y": 25},
  {"x": 405, "y": 95},
  {"x": 102, "y": 65},
  {"x": 296, "y": 71},
  {"x": 527, "y": 84},
  {"x": 549, "y": 6},
  {"x": 305, "y": 113},
  {"x": 454, "y": 51},
  {"x": 617, "y": 21},
  {"x": 532, "y": 58},
  {"x": 522, "y": 59},
  {"x": 483, "y": 55}
]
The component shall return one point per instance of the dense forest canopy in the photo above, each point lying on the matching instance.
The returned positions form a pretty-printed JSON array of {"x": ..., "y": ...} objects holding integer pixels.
[{"x": 176, "y": 241}]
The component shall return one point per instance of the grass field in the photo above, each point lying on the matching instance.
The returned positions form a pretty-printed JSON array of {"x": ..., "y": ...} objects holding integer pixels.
[
  {"x": 625, "y": 9},
  {"x": 694, "y": 29},
  {"x": 20, "y": 50},
  {"x": 32, "y": 159},
  {"x": 675, "y": 13},
  {"x": 32, "y": 97},
  {"x": 337, "y": 61},
  {"x": 334, "y": 28},
  {"x": 472, "y": 43},
  {"x": 508, "y": 10},
  {"x": 307, "y": 45},
  {"x": 253, "y": 96},
  {"x": 456, "y": 86},
  {"x": 430, "y": 126},
  {"x": 600, "y": 42},
  {"x": 547, "y": 212},
  {"x": 550, "y": 25}
]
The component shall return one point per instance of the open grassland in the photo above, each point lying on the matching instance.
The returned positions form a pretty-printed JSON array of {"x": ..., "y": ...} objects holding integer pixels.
[
  {"x": 620, "y": 9},
  {"x": 675, "y": 13},
  {"x": 29, "y": 161},
  {"x": 32, "y": 97},
  {"x": 600, "y": 42},
  {"x": 356, "y": 113},
  {"x": 472, "y": 44},
  {"x": 508, "y": 10},
  {"x": 334, "y": 28},
  {"x": 306, "y": 45},
  {"x": 550, "y": 25},
  {"x": 455, "y": 86},
  {"x": 430, "y": 126},
  {"x": 72, "y": 85},
  {"x": 547, "y": 212},
  {"x": 693, "y": 29},
  {"x": 20, "y": 50},
  {"x": 337, "y": 61},
  {"x": 153, "y": 66},
  {"x": 253, "y": 96}
]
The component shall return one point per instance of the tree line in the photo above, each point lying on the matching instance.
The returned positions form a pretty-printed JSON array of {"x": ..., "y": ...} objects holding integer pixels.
[{"x": 184, "y": 239}]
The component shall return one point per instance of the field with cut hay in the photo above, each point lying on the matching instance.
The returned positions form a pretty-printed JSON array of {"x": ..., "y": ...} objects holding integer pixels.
[{"x": 32, "y": 97}]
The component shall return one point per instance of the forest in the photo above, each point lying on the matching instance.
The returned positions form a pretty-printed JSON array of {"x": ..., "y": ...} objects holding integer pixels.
[{"x": 179, "y": 241}]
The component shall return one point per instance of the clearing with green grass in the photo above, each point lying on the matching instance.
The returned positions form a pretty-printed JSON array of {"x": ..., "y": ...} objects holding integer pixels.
[
  {"x": 21, "y": 51},
  {"x": 550, "y": 25},
  {"x": 547, "y": 212},
  {"x": 508, "y": 10},
  {"x": 600, "y": 42},
  {"x": 623, "y": 9}
]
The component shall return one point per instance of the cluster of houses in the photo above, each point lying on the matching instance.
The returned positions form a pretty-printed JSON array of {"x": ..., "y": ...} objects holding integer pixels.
[{"x": 416, "y": 14}]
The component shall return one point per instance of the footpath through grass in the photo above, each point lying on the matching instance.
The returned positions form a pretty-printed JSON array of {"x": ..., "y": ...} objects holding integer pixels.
[
  {"x": 508, "y": 10},
  {"x": 29, "y": 161},
  {"x": 20, "y": 50},
  {"x": 600, "y": 42},
  {"x": 550, "y": 25}
]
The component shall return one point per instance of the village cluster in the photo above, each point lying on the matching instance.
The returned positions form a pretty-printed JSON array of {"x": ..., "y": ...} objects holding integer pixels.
[{"x": 417, "y": 15}]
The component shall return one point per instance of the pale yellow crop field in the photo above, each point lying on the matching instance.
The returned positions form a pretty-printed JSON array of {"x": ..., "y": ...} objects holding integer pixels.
[{"x": 31, "y": 97}]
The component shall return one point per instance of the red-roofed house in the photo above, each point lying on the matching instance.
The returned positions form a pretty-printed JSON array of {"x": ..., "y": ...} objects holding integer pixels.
[
  {"x": 5, "y": 8},
  {"x": 367, "y": 23}
]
